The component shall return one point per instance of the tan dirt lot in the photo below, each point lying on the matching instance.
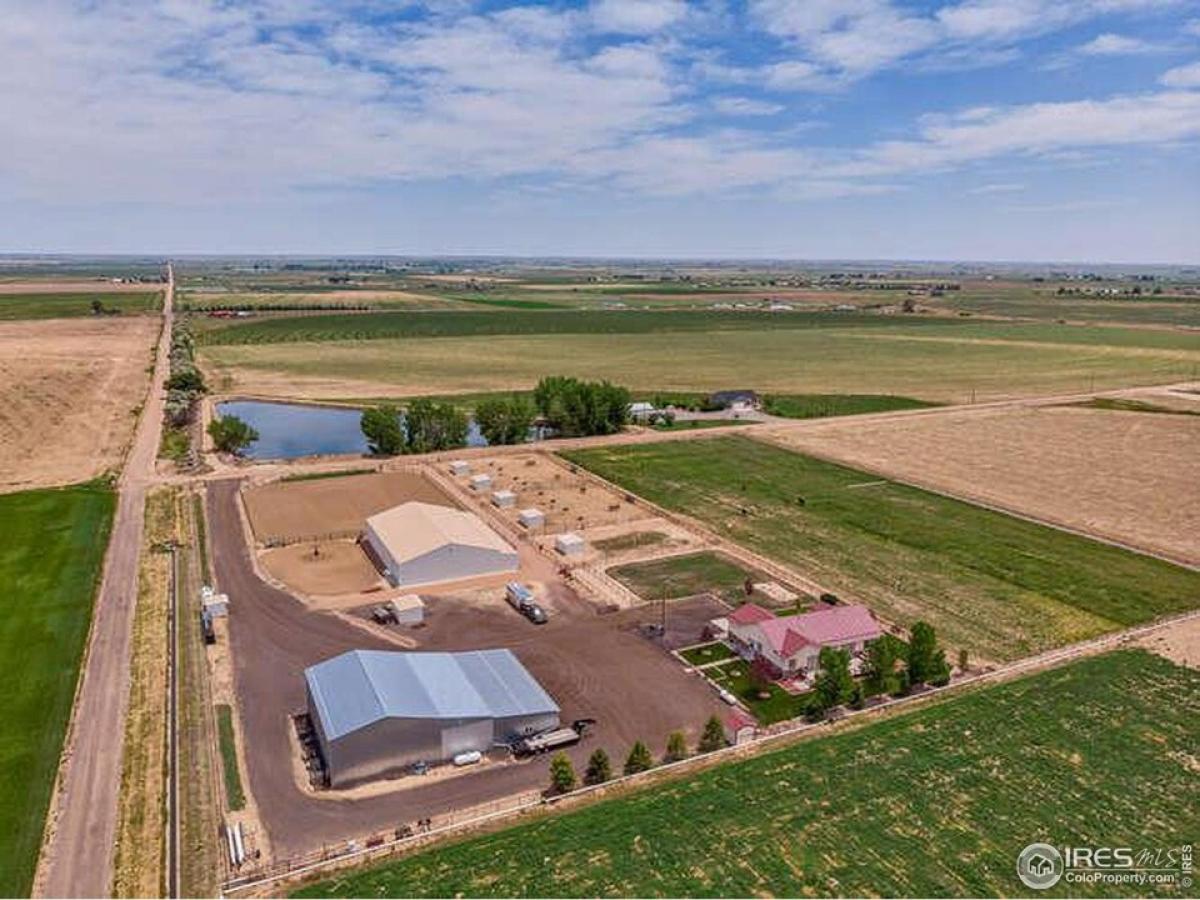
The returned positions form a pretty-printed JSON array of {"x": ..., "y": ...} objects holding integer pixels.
[
  {"x": 285, "y": 511},
  {"x": 74, "y": 287},
  {"x": 339, "y": 567},
  {"x": 68, "y": 389},
  {"x": 1132, "y": 477},
  {"x": 1179, "y": 643}
]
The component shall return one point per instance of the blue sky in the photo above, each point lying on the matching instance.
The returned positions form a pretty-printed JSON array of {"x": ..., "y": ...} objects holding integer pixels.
[{"x": 972, "y": 129}]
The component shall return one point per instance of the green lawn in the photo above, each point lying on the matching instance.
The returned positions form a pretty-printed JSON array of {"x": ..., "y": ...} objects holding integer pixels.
[
  {"x": 935, "y": 802},
  {"x": 682, "y": 576},
  {"x": 1000, "y": 586},
  {"x": 58, "y": 306},
  {"x": 50, "y": 561},
  {"x": 234, "y": 794},
  {"x": 777, "y": 706},
  {"x": 707, "y": 653},
  {"x": 818, "y": 406}
]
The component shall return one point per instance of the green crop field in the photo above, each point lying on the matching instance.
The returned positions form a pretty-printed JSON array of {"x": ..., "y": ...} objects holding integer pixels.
[
  {"x": 682, "y": 576},
  {"x": 934, "y": 802},
  {"x": 50, "y": 562},
  {"x": 818, "y": 406},
  {"x": 1000, "y": 586},
  {"x": 67, "y": 305},
  {"x": 946, "y": 362}
]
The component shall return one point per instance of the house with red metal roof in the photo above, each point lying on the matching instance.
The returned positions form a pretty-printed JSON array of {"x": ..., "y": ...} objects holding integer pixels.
[{"x": 792, "y": 643}]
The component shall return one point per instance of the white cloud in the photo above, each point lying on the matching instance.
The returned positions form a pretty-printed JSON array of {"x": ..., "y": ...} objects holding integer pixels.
[
  {"x": 1000, "y": 187},
  {"x": 637, "y": 16},
  {"x": 745, "y": 106},
  {"x": 1109, "y": 44},
  {"x": 1182, "y": 76}
]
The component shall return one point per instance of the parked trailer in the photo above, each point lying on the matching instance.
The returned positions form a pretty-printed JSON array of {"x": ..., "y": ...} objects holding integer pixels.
[{"x": 555, "y": 739}]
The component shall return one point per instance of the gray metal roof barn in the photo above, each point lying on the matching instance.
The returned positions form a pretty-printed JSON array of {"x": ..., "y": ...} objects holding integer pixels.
[
  {"x": 376, "y": 712},
  {"x": 422, "y": 543}
]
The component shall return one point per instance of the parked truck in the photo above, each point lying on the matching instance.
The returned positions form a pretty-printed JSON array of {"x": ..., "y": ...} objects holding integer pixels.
[
  {"x": 521, "y": 599},
  {"x": 554, "y": 739}
]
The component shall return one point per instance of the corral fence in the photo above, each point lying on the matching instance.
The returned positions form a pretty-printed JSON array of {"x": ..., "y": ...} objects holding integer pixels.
[
  {"x": 380, "y": 846},
  {"x": 289, "y": 540}
]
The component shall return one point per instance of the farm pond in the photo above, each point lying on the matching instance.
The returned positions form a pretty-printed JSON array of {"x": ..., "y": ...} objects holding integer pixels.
[{"x": 293, "y": 430}]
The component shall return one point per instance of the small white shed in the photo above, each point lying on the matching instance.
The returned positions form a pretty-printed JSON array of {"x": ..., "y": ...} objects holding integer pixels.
[
  {"x": 481, "y": 482},
  {"x": 570, "y": 544},
  {"x": 409, "y": 609},
  {"x": 460, "y": 467},
  {"x": 504, "y": 499},
  {"x": 531, "y": 517}
]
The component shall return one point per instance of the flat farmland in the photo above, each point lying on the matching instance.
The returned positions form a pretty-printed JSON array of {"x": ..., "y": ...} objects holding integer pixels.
[
  {"x": 68, "y": 392},
  {"x": 58, "y": 305},
  {"x": 933, "y": 360},
  {"x": 368, "y": 298},
  {"x": 50, "y": 559},
  {"x": 999, "y": 586},
  {"x": 1133, "y": 477},
  {"x": 1100, "y": 751}
]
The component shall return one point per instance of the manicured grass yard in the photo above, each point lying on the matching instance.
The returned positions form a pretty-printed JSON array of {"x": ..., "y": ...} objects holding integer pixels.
[
  {"x": 935, "y": 802},
  {"x": 778, "y": 706},
  {"x": 50, "y": 561},
  {"x": 999, "y": 586},
  {"x": 682, "y": 576},
  {"x": 707, "y": 653}
]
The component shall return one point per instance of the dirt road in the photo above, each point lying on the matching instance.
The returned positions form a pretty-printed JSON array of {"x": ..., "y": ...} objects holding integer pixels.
[{"x": 76, "y": 858}]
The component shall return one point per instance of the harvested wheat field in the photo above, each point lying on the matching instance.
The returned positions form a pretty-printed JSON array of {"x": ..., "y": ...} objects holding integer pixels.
[
  {"x": 285, "y": 512},
  {"x": 1132, "y": 477},
  {"x": 68, "y": 392}
]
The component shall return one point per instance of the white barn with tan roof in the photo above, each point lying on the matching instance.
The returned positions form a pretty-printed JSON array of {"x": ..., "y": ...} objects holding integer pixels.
[{"x": 422, "y": 543}]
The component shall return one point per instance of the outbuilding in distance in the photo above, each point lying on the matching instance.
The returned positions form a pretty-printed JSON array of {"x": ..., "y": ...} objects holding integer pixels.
[
  {"x": 422, "y": 543},
  {"x": 504, "y": 499},
  {"x": 570, "y": 544},
  {"x": 531, "y": 517},
  {"x": 377, "y": 712}
]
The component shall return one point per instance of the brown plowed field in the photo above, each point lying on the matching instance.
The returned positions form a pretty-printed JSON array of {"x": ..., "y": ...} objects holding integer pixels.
[
  {"x": 68, "y": 392},
  {"x": 286, "y": 511},
  {"x": 1132, "y": 477},
  {"x": 593, "y": 665}
]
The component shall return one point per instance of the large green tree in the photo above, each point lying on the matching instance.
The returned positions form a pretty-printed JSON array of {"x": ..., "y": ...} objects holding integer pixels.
[
  {"x": 577, "y": 408},
  {"x": 834, "y": 683},
  {"x": 922, "y": 653},
  {"x": 883, "y": 655},
  {"x": 434, "y": 426},
  {"x": 382, "y": 428},
  {"x": 505, "y": 420},
  {"x": 230, "y": 434}
]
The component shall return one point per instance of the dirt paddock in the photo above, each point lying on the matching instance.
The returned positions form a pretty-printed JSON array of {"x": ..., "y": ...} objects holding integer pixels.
[
  {"x": 68, "y": 392},
  {"x": 1132, "y": 477},
  {"x": 289, "y": 511},
  {"x": 323, "y": 567}
]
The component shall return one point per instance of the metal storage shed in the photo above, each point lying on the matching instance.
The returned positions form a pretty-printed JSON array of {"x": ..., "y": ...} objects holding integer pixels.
[
  {"x": 531, "y": 517},
  {"x": 504, "y": 499},
  {"x": 408, "y": 609},
  {"x": 480, "y": 482},
  {"x": 421, "y": 543},
  {"x": 376, "y": 712},
  {"x": 570, "y": 544},
  {"x": 460, "y": 467}
]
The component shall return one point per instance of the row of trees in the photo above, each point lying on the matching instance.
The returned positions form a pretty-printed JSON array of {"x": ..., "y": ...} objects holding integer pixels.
[
  {"x": 599, "y": 765},
  {"x": 576, "y": 408},
  {"x": 231, "y": 435},
  {"x": 890, "y": 669},
  {"x": 185, "y": 385},
  {"x": 426, "y": 426}
]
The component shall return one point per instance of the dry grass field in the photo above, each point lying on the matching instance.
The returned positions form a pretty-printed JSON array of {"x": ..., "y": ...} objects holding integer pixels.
[
  {"x": 1133, "y": 477},
  {"x": 286, "y": 511},
  {"x": 68, "y": 392},
  {"x": 950, "y": 366},
  {"x": 73, "y": 286}
]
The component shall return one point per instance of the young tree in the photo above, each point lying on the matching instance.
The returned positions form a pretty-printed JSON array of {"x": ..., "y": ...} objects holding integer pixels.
[
  {"x": 882, "y": 656},
  {"x": 505, "y": 420},
  {"x": 676, "y": 747},
  {"x": 230, "y": 434},
  {"x": 599, "y": 767},
  {"x": 562, "y": 773},
  {"x": 713, "y": 736},
  {"x": 383, "y": 431},
  {"x": 939, "y": 672},
  {"x": 922, "y": 653},
  {"x": 964, "y": 660},
  {"x": 639, "y": 759},
  {"x": 97, "y": 306},
  {"x": 834, "y": 683}
]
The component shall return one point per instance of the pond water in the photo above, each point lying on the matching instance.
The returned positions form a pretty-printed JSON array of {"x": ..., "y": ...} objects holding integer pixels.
[{"x": 291, "y": 430}]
